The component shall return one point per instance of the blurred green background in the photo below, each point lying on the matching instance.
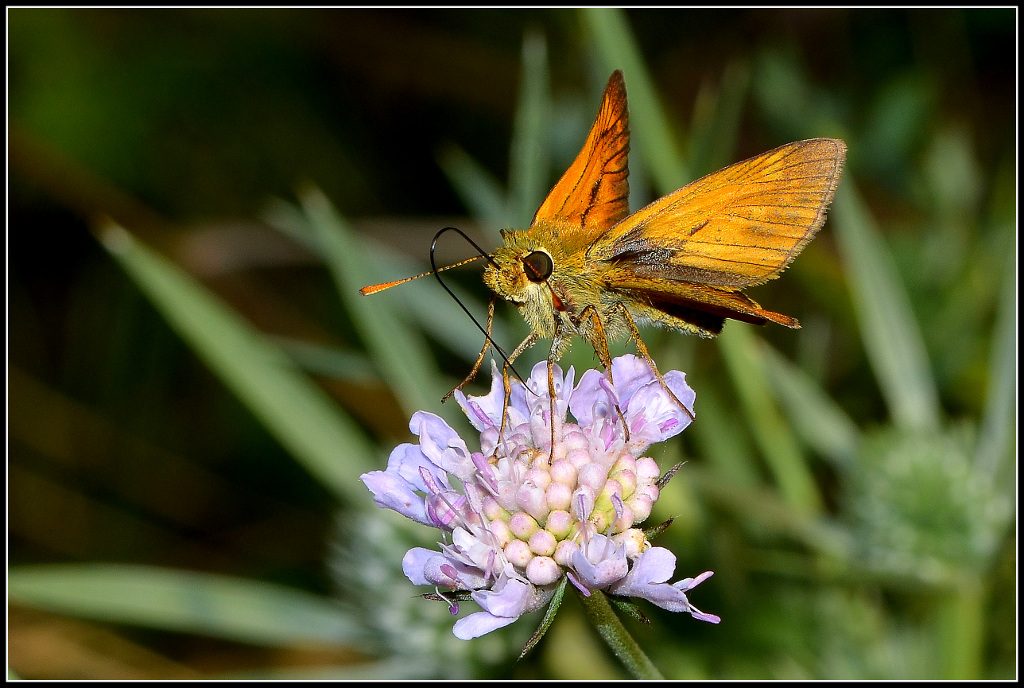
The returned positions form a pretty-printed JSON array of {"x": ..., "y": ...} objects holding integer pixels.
[{"x": 192, "y": 397}]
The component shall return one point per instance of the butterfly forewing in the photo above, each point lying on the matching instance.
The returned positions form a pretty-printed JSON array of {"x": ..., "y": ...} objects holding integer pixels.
[
  {"x": 593, "y": 194},
  {"x": 735, "y": 228}
]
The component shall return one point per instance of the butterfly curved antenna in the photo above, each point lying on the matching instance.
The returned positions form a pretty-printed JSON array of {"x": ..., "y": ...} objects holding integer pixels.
[{"x": 436, "y": 271}]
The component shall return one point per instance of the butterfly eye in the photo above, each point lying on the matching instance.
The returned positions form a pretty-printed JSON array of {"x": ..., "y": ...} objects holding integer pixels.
[{"x": 538, "y": 266}]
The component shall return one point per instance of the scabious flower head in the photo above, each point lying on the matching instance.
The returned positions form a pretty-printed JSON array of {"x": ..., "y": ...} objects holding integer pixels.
[{"x": 519, "y": 514}]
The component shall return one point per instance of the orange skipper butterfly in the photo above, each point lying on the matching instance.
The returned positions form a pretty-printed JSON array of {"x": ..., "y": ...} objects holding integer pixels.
[{"x": 585, "y": 267}]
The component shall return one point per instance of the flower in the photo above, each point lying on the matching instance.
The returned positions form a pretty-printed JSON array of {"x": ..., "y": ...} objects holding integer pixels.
[{"x": 519, "y": 515}]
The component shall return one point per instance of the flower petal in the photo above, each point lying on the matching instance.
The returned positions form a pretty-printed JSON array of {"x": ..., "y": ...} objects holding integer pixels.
[
  {"x": 392, "y": 492},
  {"x": 653, "y": 415},
  {"x": 630, "y": 373},
  {"x": 415, "y": 563},
  {"x": 593, "y": 399},
  {"x": 484, "y": 411},
  {"x": 406, "y": 462},
  {"x": 509, "y": 597},
  {"x": 539, "y": 401},
  {"x": 478, "y": 624},
  {"x": 600, "y": 562},
  {"x": 646, "y": 580},
  {"x": 441, "y": 444},
  {"x": 655, "y": 566}
]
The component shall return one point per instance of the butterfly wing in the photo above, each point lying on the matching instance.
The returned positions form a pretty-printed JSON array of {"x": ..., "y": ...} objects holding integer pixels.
[
  {"x": 593, "y": 194},
  {"x": 735, "y": 228}
]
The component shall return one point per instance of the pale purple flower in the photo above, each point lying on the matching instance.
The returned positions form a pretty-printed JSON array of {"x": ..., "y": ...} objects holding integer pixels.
[
  {"x": 647, "y": 580},
  {"x": 600, "y": 562},
  {"x": 517, "y": 516}
]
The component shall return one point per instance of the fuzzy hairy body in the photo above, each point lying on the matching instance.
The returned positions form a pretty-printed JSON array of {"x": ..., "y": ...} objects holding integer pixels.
[{"x": 554, "y": 309}]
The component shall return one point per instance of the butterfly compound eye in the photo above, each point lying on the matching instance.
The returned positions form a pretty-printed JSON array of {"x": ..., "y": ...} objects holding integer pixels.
[{"x": 538, "y": 266}]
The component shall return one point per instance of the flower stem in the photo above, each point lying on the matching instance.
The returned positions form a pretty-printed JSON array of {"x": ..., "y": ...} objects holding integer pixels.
[{"x": 600, "y": 612}]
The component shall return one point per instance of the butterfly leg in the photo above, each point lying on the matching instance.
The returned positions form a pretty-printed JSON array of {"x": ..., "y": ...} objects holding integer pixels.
[
  {"x": 641, "y": 349},
  {"x": 598, "y": 339},
  {"x": 557, "y": 341},
  {"x": 530, "y": 340},
  {"x": 480, "y": 358}
]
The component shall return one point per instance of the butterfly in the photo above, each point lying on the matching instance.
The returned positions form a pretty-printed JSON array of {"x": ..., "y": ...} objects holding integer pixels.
[{"x": 587, "y": 268}]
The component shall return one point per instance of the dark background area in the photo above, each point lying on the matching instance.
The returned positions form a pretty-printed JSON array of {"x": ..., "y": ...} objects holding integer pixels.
[{"x": 181, "y": 124}]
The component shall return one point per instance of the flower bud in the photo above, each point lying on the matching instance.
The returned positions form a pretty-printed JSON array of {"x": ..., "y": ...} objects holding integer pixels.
[
  {"x": 627, "y": 479},
  {"x": 611, "y": 487},
  {"x": 543, "y": 543},
  {"x": 624, "y": 521},
  {"x": 522, "y": 525},
  {"x": 593, "y": 475},
  {"x": 562, "y": 471},
  {"x": 559, "y": 496},
  {"x": 625, "y": 462},
  {"x": 651, "y": 491},
  {"x": 574, "y": 438},
  {"x": 565, "y": 551},
  {"x": 541, "y": 477},
  {"x": 559, "y": 523},
  {"x": 533, "y": 501},
  {"x": 601, "y": 520},
  {"x": 492, "y": 510},
  {"x": 647, "y": 470},
  {"x": 642, "y": 505},
  {"x": 582, "y": 502},
  {"x": 518, "y": 553},
  {"x": 578, "y": 457},
  {"x": 543, "y": 571},
  {"x": 501, "y": 532},
  {"x": 635, "y": 541}
]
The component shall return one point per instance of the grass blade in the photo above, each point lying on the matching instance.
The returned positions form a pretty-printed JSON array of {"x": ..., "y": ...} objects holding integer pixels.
[
  {"x": 746, "y": 364},
  {"x": 402, "y": 356},
  {"x": 888, "y": 327},
  {"x": 427, "y": 305},
  {"x": 293, "y": 409},
  {"x": 716, "y": 121},
  {"x": 483, "y": 196},
  {"x": 994, "y": 456},
  {"x": 236, "y": 609},
  {"x": 819, "y": 421},
  {"x": 529, "y": 160}
]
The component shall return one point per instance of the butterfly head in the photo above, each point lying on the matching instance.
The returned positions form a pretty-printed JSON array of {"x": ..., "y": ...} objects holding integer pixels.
[{"x": 519, "y": 272}]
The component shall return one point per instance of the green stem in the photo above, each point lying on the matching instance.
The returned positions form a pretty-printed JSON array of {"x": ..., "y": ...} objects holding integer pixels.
[
  {"x": 961, "y": 625},
  {"x": 600, "y": 613}
]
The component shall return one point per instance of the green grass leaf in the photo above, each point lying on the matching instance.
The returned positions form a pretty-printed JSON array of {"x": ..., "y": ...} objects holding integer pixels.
[
  {"x": 994, "y": 454},
  {"x": 818, "y": 420},
  {"x": 235, "y": 609},
  {"x": 747, "y": 363},
  {"x": 888, "y": 327},
  {"x": 530, "y": 159},
  {"x": 716, "y": 119},
  {"x": 402, "y": 356},
  {"x": 478, "y": 189},
  {"x": 299, "y": 414}
]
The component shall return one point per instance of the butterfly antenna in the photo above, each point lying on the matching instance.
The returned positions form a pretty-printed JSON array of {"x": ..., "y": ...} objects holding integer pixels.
[
  {"x": 436, "y": 271},
  {"x": 374, "y": 288}
]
